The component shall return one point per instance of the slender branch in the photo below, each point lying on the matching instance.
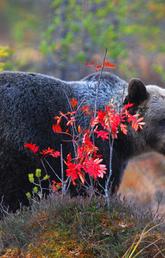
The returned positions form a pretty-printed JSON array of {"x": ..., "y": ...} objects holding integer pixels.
[
  {"x": 51, "y": 169},
  {"x": 68, "y": 182},
  {"x": 98, "y": 84},
  {"x": 95, "y": 104},
  {"x": 62, "y": 171},
  {"x": 107, "y": 184}
]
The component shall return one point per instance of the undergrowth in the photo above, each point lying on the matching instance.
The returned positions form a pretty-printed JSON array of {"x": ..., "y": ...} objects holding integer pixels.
[{"x": 77, "y": 227}]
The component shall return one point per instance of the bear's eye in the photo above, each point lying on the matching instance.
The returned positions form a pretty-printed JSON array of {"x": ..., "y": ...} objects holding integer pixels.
[{"x": 162, "y": 122}]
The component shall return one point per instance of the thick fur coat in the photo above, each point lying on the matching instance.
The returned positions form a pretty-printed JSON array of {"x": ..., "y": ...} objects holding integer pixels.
[{"x": 28, "y": 103}]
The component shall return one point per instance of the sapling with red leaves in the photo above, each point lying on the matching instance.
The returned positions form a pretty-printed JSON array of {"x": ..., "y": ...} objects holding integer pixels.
[{"x": 87, "y": 161}]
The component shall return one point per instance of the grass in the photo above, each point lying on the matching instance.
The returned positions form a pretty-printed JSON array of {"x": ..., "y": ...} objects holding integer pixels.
[{"x": 84, "y": 228}]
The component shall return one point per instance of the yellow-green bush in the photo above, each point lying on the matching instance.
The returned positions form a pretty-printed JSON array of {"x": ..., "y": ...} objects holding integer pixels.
[{"x": 5, "y": 54}]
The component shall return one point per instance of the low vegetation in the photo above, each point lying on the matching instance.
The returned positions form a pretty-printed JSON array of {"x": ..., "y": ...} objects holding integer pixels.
[{"x": 78, "y": 227}]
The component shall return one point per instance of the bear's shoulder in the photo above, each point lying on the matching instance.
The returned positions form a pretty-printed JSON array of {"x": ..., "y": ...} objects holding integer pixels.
[{"x": 22, "y": 78}]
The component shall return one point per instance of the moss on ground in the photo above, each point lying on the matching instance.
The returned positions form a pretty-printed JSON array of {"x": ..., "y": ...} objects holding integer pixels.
[{"x": 81, "y": 228}]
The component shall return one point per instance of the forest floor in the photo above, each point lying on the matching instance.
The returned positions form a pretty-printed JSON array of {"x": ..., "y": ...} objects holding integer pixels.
[
  {"x": 133, "y": 226},
  {"x": 59, "y": 228}
]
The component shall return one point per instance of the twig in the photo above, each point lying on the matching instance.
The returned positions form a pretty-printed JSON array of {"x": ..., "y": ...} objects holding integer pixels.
[
  {"x": 98, "y": 84},
  {"x": 107, "y": 184},
  {"x": 51, "y": 169}
]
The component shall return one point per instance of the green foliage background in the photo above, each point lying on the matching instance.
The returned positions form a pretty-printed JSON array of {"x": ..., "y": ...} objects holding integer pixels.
[{"x": 59, "y": 36}]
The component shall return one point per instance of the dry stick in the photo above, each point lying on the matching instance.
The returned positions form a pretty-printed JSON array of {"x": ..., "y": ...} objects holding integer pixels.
[
  {"x": 3, "y": 209},
  {"x": 135, "y": 244},
  {"x": 74, "y": 131},
  {"x": 62, "y": 168},
  {"x": 62, "y": 172},
  {"x": 68, "y": 182},
  {"x": 107, "y": 184},
  {"x": 159, "y": 200},
  {"x": 160, "y": 251},
  {"x": 98, "y": 84},
  {"x": 73, "y": 126},
  {"x": 51, "y": 169},
  {"x": 146, "y": 247},
  {"x": 96, "y": 100},
  {"x": 97, "y": 88}
]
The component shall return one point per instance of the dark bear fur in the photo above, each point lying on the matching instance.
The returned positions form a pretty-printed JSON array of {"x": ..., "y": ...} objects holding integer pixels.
[{"x": 28, "y": 103}]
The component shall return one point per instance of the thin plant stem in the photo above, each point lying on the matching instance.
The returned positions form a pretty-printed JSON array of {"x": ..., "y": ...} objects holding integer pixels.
[
  {"x": 107, "y": 184},
  {"x": 62, "y": 171},
  {"x": 68, "y": 182},
  {"x": 51, "y": 169},
  {"x": 98, "y": 84},
  {"x": 95, "y": 104}
]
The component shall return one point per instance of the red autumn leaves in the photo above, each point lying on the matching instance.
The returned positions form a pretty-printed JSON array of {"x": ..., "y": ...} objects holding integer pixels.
[
  {"x": 98, "y": 67},
  {"x": 105, "y": 124},
  {"x": 50, "y": 152},
  {"x": 31, "y": 146},
  {"x": 87, "y": 161},
  {"x": 45, "y": 152},
  {"x": 112, "y": 122}
]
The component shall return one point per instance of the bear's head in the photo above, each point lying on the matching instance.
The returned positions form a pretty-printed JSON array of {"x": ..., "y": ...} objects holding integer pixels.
[{"x": 149, "y": 101}]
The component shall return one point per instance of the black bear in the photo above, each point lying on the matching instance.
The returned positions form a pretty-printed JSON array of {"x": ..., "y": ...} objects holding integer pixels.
[{"x": 28, "y": 103}]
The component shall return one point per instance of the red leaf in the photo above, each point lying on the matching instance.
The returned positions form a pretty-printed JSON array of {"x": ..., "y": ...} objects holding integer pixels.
[
  {"x": 102, "y": 134},
  {"x": 58, "y": 119},
  {"x": 50, "y": 152},
  {"x": 109, "y": 120},
  {"x": 94, "y": 168},
  {"x": 98, "y": 67},
  {"x": 123, "y": 128},
  {"x": 106, "y": 64},
  {"x": 56, "y": 186},
  {"x": 73, "y": 170},
  {"x": 79, "y": 129},
  {"x": 88, "y": 146},
  {"x": 73, "y": 102},
  {"x": 138, "y": 124},
  {"x": 86, "y": 109},
  {"x": 127, "y": 106},
  {"x": 31, "y": 146},
  {"x": 56, "y": 128}
]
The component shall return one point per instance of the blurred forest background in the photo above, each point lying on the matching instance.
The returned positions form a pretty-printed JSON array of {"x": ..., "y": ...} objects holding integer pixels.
[{"x": 58, "y": 37}]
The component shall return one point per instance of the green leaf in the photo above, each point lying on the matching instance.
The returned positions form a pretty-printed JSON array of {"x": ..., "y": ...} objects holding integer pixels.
[
  {"x": 46, "y": 177},
  {"x": 28, "y": 195},
  {"x": 35, "y": 189},
  {"x": 31, "y": 177},
  {"x": 38, "y": 172}
]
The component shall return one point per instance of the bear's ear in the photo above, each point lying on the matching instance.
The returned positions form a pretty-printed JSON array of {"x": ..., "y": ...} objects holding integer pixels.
[{"x": 137, "y": 92}]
